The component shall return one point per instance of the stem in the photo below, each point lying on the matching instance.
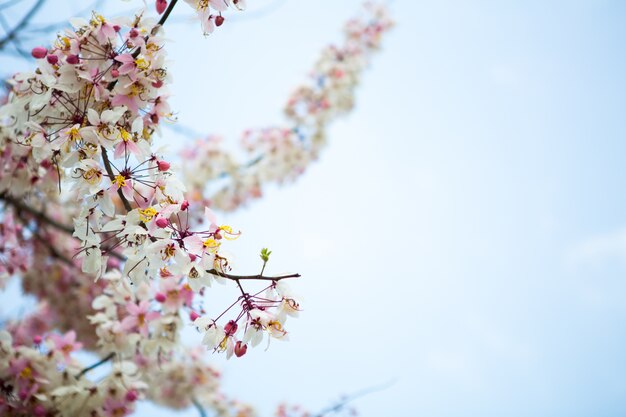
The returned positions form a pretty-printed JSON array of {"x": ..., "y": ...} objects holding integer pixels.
[
  {"x": 39, "y": 215},
  {"x": 22, "y": 24},
  {"x": 199, "y": 407},
  {"x": 251, "y": 277},
  {"x": 95, "y": 365},
  {"x": 167, "y": 12},
  {"x": 109, "y": 170}
]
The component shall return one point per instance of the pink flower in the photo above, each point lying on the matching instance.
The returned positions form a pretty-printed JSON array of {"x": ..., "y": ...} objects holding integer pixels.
[
  {"x": 66, "y": 344},
  {"x": 139, "y": 317}
]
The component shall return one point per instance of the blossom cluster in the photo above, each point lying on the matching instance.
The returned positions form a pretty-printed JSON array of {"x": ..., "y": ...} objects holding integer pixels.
[
  {"x": 117, "y": 249},
  {"x": 279, "y": 154}
]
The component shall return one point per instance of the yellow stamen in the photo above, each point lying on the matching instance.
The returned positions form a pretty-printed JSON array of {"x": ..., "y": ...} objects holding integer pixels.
[
  {"x": 147, "y": 214},
  {"x": 120, "y": 181}
]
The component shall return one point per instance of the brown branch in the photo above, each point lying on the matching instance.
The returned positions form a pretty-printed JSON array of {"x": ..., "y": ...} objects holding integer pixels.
[
  {"x": 95, "y": 365},
  {"x": 22, "y": 24},
  {"x": 109, "y": 170},
  {"x": 39, "y": 215},
  {"x": 251, "y": 277}
]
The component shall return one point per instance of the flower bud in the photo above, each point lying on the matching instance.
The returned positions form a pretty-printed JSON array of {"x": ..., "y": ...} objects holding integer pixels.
[
  {"x": 39, "y": 52},
  {"x": 162, "y": 222},
  {"x": 184, "y": 205},
  {"x": 72, "y": 59},
  {"x": 219, "y": 20},
  {"x": 115, "y": 73},
  {"x": 37, "y": 339},
  {"x": 160, "y": 297},
  {"x": 163, "y": 165},
  {"x": 230, "y": 328},
  {"x": 161, "y": 5},
  {"x": 133, "y": 33},
  {"x": 52, "y": 59},
  {"x": 240, "y": 349},
  {"x": 193, "y": 316},
  {"x": 131, "y": 396}
]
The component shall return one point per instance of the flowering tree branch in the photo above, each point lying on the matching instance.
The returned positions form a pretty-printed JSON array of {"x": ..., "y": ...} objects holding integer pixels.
[
  {"x": 88, "y": 118},
  {"x": 22, "y": 24}
]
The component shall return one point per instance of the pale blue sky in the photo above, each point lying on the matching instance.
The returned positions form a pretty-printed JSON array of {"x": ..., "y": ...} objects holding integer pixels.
[{"x": 465, "y": 231}]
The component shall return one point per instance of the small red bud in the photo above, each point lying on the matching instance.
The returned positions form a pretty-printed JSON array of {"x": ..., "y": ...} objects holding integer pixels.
[
  {"x": 72, "y": 59},
  {"x": 131, "y": 396},
  {"x": 39, "y": 52},
  {"x": 160, "y": 297},
  {"x": 230, "y": 328},
  {"x": 219, "y": 20},
  {"x": 116, "y": 28},
  {"x": 161, "y": 5},
  {"x": 162, "y": 222},
  {"x": 193, "y": 316},
  {"x": 163, "y": 166},
  {"x": 157, "y": 84},
  {"x": 115, "y": 73},
  {"x": 240, "y": 349},
  {"x": 192, "y": 257},
  {"x": 133, "y": 33},
  {"x": 184, "y": 205},
  {"x": 52, "y": 59},
  {"x": 37, "y": 339}
]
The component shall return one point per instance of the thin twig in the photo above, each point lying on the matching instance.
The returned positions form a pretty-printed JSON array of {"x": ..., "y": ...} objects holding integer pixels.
[
  {"x": 95, "y": 365},
  {"x": 22, "y": 24},
  {"x": 109, "y": 170},
  {"x": 199, "y": 407},
  {"x": 341, "y": 404},
  {"x": 251, "y": 277},
  {"x": 39, "y": 215}
]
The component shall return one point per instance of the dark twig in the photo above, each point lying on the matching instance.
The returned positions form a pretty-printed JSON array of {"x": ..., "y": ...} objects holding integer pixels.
[
  {"x": 22, "y": 24},
  {"x": 199, "y": 407},
  {"x": 251, "y": 277},
  {"x": 344, "y": 401},
  {"x": 109, "y": 170},
  {"x": 39, "y": 215},
  {"x": 95, "y": 365}
]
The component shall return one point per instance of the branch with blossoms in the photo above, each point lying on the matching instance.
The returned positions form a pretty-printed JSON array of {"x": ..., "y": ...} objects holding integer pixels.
[
  {"x": 282, "y": 153},
  {"x": 107, "y": 237}
]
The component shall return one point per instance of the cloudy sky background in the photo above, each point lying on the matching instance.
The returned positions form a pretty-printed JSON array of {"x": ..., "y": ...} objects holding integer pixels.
[{"x": 464, "y": 234}]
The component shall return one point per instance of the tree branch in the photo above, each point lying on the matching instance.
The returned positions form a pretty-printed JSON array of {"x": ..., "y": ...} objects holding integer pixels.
[
  {"x": 251, "y": 277},
  {"x": 21, "y": 25},
  {"x": 109, "y": 170},
  {"x": 95, "y": 365},
  {"x": 39, "y": 215}
]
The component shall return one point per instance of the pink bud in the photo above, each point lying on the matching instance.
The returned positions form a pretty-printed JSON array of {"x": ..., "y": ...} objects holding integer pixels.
[
  {"x": 72, "y": 59},
  {"x": 219, "y": 20},
  {"x": 157, "y": 84},
  {"x": 39, "y": 52},
  {"x": 37, "y": 339},
  {"x": 160, "y": 297},
  {"x": 131, "y": 395},
  {"x": 184, "y": 205},
  {"x": 52, "y": 59},
  {"x": 230, "y": 328},
  {"x": 193, "y": 316},
  {"x": 192, "y": 257},
  {"x": 240, "y": 349},
  {"x": 133, "y": 33},
  {"x": 161, "y": 5},
  {"x": 162, "y": 222},
  {"x": 163, "y": 166},
  {"x": 115, "y": 73}
]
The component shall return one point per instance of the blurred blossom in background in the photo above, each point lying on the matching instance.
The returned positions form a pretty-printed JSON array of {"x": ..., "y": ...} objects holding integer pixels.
[{"x": 462, "y": 237}]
